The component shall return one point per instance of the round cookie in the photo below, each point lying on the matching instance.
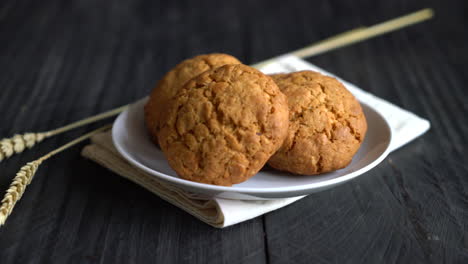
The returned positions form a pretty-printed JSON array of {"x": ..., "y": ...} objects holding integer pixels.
[
  {"x": 326, "y": 124},
  {"x": 173, "y": 81},
  {"x": 224, "y": 125}
]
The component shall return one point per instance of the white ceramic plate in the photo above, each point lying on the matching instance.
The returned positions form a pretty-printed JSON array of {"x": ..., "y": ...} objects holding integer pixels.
[{"x": 132, "y": 141}]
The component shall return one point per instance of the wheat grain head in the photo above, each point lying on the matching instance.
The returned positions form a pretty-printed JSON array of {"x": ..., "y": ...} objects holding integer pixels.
[
  {"x": 18, "y": 143},
  {"x": 17, "y": 187},
  {"x": 25, "y": 175}
]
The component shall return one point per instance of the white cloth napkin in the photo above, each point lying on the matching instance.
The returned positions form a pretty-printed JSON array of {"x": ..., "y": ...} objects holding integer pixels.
[{"x": 221, "y": 213}]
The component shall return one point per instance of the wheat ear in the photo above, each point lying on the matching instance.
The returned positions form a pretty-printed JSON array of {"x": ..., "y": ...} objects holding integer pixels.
[
  {"x": 18, "y": 143},
  {"x": 26, "y": 174}
]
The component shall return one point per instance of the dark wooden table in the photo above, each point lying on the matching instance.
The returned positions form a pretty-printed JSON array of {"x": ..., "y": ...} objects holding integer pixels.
[{"x": 61, "y": 61}]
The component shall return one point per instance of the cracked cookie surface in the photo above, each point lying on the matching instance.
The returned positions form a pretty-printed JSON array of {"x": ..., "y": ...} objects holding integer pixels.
[
  {"x": 173, "y": 81},
  {"x": 326, "y": 128},
  {"x": 224, "y": 125}
]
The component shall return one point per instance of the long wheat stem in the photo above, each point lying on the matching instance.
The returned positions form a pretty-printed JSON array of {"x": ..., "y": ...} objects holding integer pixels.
[
  {"x": 25, "y": 175},
  {"x": 357, "y": 35},
  {"x": 18, "y": 143}
]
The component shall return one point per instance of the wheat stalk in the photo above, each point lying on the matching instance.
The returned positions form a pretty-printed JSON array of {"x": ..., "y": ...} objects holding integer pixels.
[
  {"x": 25, "y": 175},
  {"x": 18, "y": 143},
  {"x": 356, "y": 35}
]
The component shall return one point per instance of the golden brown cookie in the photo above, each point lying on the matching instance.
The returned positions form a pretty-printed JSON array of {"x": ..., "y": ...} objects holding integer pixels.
[
  {"x": 173, "y": 81},
  {"x": 224, "y": 125},
  {"x": 326, "y": 124}
]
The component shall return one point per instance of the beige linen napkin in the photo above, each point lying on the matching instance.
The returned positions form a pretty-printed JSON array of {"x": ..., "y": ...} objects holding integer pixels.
[{"x": 219, "y": 212}]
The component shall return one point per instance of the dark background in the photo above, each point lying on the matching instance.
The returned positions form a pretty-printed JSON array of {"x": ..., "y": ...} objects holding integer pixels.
[{"x": 61, "y": 61}]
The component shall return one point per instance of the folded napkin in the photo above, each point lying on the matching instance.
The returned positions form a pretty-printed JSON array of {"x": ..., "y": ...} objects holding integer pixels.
[{"x": 219, "y": 212}]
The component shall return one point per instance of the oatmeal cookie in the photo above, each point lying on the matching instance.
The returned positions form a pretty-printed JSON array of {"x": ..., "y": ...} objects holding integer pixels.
[
  {"x": 326, "y": 124},
  {"x": 224, "y": 125}
]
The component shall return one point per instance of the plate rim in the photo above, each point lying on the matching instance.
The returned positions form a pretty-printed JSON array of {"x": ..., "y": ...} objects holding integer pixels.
[{"x": 248, "y": 190}]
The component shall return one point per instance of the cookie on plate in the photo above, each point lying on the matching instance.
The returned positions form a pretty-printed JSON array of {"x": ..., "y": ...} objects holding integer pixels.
[
  {"x": 173, "y": 81},
  {"x": 224, "y": 125},
  {"x": 326, "y": 128}
]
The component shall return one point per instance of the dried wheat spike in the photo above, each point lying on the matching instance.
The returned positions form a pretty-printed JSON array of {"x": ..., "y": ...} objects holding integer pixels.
[
  {"x": 17, "y": 187},
  {"x": 18, "y": 143},
  {"x": 26, "y": 173}
]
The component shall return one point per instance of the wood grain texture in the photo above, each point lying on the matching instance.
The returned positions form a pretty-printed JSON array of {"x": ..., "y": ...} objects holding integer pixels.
[{"x": 61, "y": 61}]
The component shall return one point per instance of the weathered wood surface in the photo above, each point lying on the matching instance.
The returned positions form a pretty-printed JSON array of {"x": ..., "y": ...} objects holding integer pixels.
[{"x": 61, "y": 61}]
